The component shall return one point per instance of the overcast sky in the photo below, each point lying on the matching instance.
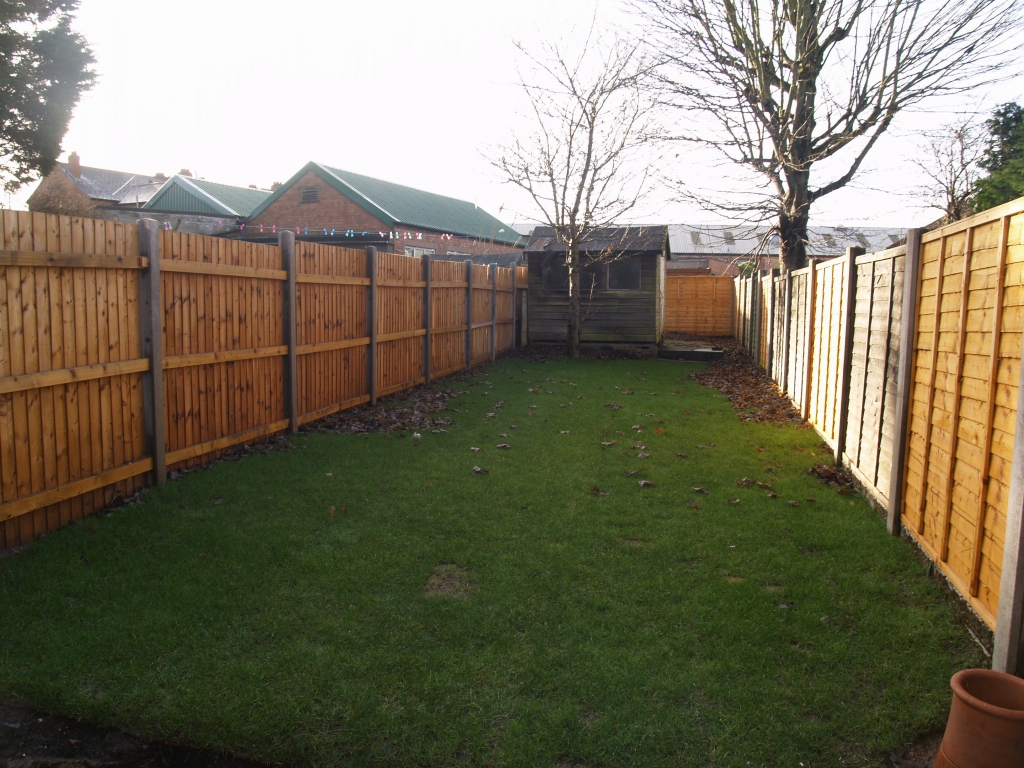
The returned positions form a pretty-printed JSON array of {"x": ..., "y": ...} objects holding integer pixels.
[{"x": 415, "y": 92}]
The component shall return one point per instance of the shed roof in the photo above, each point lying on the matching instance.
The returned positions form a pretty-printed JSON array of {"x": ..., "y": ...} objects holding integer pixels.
[
  {"x": 395, "y": 204},
  {"x": 639, "y": 239},
  {"x": 187, "y": 194}
]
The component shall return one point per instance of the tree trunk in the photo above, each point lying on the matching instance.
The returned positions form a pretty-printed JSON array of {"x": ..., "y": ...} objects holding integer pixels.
[
  {"x": 572, "y": 331},
  {"x": 793, "y": 240}
]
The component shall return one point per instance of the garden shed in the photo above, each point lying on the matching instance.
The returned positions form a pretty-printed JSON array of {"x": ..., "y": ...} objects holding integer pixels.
[{"x": 623, "y": 286}]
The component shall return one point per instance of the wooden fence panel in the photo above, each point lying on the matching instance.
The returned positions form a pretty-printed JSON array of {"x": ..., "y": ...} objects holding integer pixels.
[
  {"x": 332, "y": 336},
  {"x": 779, "y": 328},
  {"x": 699, "y": 304},
  {"x": 481, "y": 335},
  {"x": 764, "y": 288},
  {"x": 799, "y": 332},
  {"x": 874, "y": 368},
  {"x": 504, "y": 310},
  {"x": 223, "y": 344},
  {"x": 448, "y": 312},
  {"x": 400, "y": 317},
  {"x": 964, "y": 400},
  {"x": 826, "y": 357},
  {"x": 63, "y": 425}
]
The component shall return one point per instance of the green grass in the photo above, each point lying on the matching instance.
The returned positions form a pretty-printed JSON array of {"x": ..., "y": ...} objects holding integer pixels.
[{"x": 622, "y": 630}]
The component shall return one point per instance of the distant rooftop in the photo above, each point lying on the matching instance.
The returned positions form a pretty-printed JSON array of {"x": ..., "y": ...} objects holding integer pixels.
[{"x": 729, "y": 241}]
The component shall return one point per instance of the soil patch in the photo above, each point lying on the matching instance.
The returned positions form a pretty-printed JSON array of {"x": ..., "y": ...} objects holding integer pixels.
[
  {"x": 449, "y": 580},
  {"x": 30, "y": 739},
  {"x": 920, "y": 754}
]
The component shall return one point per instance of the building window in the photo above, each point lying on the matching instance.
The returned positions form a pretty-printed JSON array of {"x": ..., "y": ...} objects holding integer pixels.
[
  {"x": 419, "y": 253},
  {"x": 555, "y": 273},
  {"x": 624, "y": 275},
  {"x": 309, "y": 195}
]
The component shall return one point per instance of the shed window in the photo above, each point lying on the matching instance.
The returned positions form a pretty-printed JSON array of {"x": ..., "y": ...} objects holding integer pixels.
[
  {"x": 624, "y": 275},
  {"x": 309, "y": 195},
  {"x": 555, "y": 273}
]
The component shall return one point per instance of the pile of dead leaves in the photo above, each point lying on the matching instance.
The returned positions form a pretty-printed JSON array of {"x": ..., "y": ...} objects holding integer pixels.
[
  {"x": 412, "y": 410},
  {"x": 832, "y": 475},
  {"x": 746, "y": 384}
]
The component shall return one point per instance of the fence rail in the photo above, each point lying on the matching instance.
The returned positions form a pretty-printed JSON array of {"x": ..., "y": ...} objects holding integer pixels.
[
  {"x": 908, "y": 363},
  {"x": 128, "y": 351}
]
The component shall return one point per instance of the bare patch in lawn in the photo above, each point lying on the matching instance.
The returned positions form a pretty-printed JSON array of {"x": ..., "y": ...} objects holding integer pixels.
[
  {"x": 773, "y": 587},
  {"x": 734, "y": 579},
  {"x": 450, "y": 580}
]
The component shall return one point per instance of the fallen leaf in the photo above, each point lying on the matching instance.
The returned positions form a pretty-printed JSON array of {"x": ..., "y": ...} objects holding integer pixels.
[
  {"x": 563, "y": 431},
  {"x": 693, "y": 505},
  {"x": 646, "y": 484},
  {"x": 772, "y": 495},
  {"x": 480, "y": 470},
  {"x": 609, "y": 443},
  {"x": 746, "y": 482},
  {"x": 659, "y": 430},
  {"x": 438, "y": 431},
  {"x": 613, "y": 406},
  {"x": 474, "y": 448},
  {"x": 625, "y": 453},
  {"x": 634, "y": 472},
  {"x": 701, "y": 490},
  {"x": 760, "y": 449},
  {"x": 806, "y": 550},
  {"x": 793, "y": 503},
  {"x": 503, "y": 445},
  {"x": 218, "y": 501},
  {"x": 488, "y": 415},
  {"x": 734, "y": 501},
  {"x": 637, "y": 427},
  {"x": 331, "y": 474},
  {"x": 201, "y": 557},
  {"x": 598, "y": 492},
  {"x": 643, "y": 455},
  {"x": 786, "y": 606},
  {"x": 512, "y": 426},
  {"x": 701, "y": 447},
  {"x": 682, "y": 454},
  {"x": 504, "y": 434},
  {"x": 639, "y": 446},
  {"x": 811, "y": 500},
  {"x": 763, "y": 485}
]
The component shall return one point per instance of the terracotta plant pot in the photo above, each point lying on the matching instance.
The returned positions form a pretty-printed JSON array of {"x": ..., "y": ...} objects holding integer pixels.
[{"x": 986, "y": 722}]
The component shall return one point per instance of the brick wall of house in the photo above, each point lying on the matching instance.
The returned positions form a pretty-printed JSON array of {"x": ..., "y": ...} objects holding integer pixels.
[{"x": 335, "y": 211}]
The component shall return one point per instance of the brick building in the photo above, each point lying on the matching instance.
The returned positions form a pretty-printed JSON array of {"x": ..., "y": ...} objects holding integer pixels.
[
  {"x": 76, "y": 189},
  {"x": 328, "y": 203}
]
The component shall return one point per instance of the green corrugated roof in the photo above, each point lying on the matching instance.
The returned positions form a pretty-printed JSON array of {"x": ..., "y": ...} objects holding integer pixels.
[
  {"x": 395, "y": 204},
  {"x": 184, "y": 193}
]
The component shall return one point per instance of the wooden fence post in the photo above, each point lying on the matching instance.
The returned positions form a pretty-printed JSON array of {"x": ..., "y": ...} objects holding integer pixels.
[
  {"x": 493, "y": 269},
  {"x": 469, "y": 313},
  {"x": 786, "y": 328},
  {"x": 812, "y": 294},
  {"x": 846, "y": 354},
  {"x": 153, "y": 348},
  {"x": 286, "y": 241},
  {"x": 1008, "y": 648},
  {"x": 515, "y": 304},
  {"x": 371, "y": 324},
  {"x": 428, "y": 309},
  {"x": 904, "y": 378}
]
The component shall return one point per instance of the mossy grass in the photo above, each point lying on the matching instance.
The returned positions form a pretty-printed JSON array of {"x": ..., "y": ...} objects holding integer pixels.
[{"x": 514, "y": 618}]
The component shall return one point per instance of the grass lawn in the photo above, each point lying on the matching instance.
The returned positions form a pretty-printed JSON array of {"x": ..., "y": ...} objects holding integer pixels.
[{"x": 654, "y": 626}]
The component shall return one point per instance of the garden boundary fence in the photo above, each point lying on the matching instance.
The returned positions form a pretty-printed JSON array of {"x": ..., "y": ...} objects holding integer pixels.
[
  {"x": 908, "y": 363},
  {"x": 127, "y": 351},
  {"x": 699, "y": 304}
]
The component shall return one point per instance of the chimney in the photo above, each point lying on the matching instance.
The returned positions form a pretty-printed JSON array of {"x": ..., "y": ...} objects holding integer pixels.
[
  {"x": 159, "y": 176},
  {"x": 253, "y": 186},
  {"x": 185, "y": 172},
  {"x": 74, "y": 165},
  {"x": 275, "y": 186}
]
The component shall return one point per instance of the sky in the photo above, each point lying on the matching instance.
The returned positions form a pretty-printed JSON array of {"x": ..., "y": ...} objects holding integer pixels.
[{"x": 421, "y": 93}]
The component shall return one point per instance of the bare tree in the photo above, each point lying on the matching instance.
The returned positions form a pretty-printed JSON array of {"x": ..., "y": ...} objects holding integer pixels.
[
  {"x": 580, "y": 163},
  {"x": 777, "y": 86},
  {"x": 949, "y": 162}
]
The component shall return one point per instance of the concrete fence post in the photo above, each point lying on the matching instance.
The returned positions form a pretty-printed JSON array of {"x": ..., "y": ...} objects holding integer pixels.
[
  {"x": 428, "y": 309},
  {"x": 469, "y": 313},
  {"x": 152, "y": 348},
  {"x": 846, "y": 354},
  {"x": 371, "y": 324},
  {"x": 904, "y": 378},
  {"x": 286, "y": 241}
]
